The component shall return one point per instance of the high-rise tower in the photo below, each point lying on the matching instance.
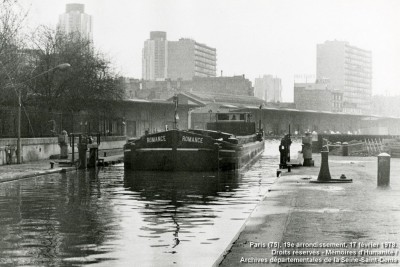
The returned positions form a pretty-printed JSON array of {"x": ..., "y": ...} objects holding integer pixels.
[
  {"x": 75, "y": 20},
  {"x": 268, "y": 88},
  {"x": 349, "y": 70},
  {"x": 188, "y": 58},
  {"x": 183, "y": 59},
  {"x": 155, "y": 57}
]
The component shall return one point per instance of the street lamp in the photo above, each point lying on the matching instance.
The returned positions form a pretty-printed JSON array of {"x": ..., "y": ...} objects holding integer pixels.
[
  {"x": 176, "y": 116},
  {"x": 62, "y": 66}
]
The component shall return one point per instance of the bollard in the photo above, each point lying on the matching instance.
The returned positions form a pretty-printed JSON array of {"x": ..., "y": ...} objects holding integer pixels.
[
  {"x": 383, "y": 169},
  {"x": 307, "y": 150},
  {"x": 93, "y": 155},
  {"x": 345, "y": 149},
  {"x": 324, "y": 174},
  {"x": 82, "y": 148},
  {"x": 284, "y": 150}
]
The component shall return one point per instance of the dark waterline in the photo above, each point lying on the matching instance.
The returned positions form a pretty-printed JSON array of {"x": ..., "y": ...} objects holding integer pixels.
[{"x": 123, "y": 218}]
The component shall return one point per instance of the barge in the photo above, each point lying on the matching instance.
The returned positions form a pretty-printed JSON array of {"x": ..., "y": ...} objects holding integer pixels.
[{"x": 197, "y": 150}]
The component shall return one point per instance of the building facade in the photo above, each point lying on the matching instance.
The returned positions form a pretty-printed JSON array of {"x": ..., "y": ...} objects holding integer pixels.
[
  {"x": 268, "y": 88},
  {"x": 386, "y": 105},
  {"x": 75, "y": 20},
  {"x": 183, "y": 59},
  {"x": 349, "y": 70},
  {"x": 164, "y": 89},
  {"x": 188, "y": 58},
  {"x": 235, "y": 85},
  {"x": 155, "y": 57},
  {"x": 318, "y": 97}
]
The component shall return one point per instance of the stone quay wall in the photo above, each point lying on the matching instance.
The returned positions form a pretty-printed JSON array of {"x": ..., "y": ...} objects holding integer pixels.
[{"x": 34, "y": 149}]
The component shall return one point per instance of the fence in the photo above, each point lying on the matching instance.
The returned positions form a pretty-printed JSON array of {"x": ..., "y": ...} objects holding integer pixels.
[
  {"x": 334, "y": 138},
  {"x": 367, "y": 147}
]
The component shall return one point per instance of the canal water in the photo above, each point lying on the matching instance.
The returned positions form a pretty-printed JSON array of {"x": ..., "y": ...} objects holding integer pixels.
[{"x": 113, "y": 217}]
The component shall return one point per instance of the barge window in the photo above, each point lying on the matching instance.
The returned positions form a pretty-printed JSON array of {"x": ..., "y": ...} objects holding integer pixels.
[{"x": 223, "y": 117}]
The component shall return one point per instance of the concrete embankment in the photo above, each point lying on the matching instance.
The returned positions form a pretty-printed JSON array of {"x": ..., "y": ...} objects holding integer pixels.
[
  {"x": 43, "y": 167},
  {"x": 35, "y": 149},
  {"x": 28, "y": 170},
  {"x": 298, "y": 212}
]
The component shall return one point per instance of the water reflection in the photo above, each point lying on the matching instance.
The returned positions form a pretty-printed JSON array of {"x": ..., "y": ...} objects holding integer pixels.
[
  {"x": 46, "y": 219},
  {"x": 179, "y": 197},
  {"x": 178, "y": 187},
  {"x": 187, "y": 216},
  {"x": 111, "y": 216}
]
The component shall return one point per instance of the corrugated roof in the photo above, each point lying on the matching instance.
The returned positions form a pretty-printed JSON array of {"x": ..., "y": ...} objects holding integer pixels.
[{"x": 317, "y": 111}]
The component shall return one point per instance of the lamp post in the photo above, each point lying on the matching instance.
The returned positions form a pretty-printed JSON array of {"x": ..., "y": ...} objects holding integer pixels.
[
  {"x": 176, "y": 116},
  {"x": 62, "y": 66}
]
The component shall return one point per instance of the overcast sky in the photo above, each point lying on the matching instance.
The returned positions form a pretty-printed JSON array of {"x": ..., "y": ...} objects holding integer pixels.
[{"x": 252, "y": 37}]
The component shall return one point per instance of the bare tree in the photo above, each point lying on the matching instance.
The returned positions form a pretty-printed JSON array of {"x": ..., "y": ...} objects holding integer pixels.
[
  {"x": 88, "y": 84},
  {"x": 12, "y": 67},
  {"x": 28, "y": 72}
]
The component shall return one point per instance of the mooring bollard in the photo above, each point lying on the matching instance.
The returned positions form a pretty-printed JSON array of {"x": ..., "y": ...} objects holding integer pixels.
[
  {"x": 383, "y": 169},
  {"x": 307, "y": 150},
  {"x": 324, "y": 174},
  {"x": 345, "y": 149},
  {"x": 82, "y": 149}
]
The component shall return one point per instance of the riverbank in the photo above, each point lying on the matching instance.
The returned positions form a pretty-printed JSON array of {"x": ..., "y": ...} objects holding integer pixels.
[
  {"x": 42, "y": 167},
  {"x": 27, "y": 170},
  {"x": 311, "y": 215}
]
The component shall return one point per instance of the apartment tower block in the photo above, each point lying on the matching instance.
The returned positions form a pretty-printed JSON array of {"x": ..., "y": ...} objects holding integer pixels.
[
  {"x": 183, "y": 59},
  {"x": 349, "y": 69},
  {"x": 75, "y": 20}
]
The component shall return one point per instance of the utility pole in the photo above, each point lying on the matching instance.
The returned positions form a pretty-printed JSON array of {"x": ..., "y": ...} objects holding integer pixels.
[
  {"x": 19, "y": 147},
  {"x": 19, "y": 128}
]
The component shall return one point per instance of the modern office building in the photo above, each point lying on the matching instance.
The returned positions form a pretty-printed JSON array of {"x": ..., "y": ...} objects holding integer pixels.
[
  {"x": 188, "y": 58},
  {"x": 268, "y": 88},
  {"x": 183, "y": 59},
  {"x": 155, "y": 57},
  {"x": 349, "y": 70},
  {"x": 75, "y": 20}
]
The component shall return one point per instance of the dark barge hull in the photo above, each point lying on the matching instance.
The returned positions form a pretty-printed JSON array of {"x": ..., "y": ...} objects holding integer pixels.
[{"x": 177, "y": 150}]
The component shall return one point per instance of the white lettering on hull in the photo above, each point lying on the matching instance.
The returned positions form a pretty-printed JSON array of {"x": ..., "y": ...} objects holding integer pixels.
[
  {"x": 155, "y": 149},
  {"x": 154, "y": 139},
  {"x": 192, "y": 139}
]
